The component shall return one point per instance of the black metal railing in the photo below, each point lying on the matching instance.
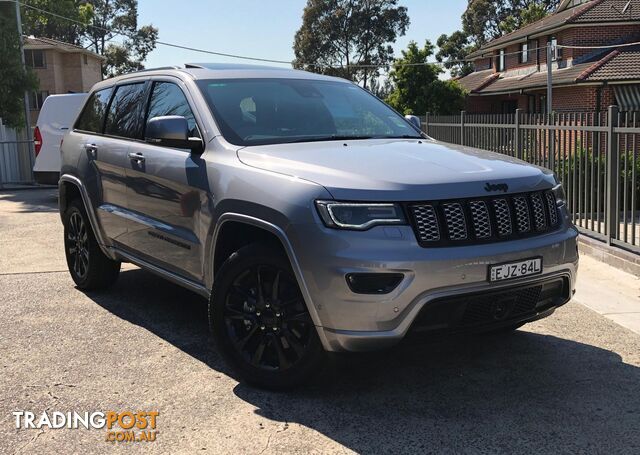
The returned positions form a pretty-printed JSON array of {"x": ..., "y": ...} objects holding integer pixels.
[{"x": 596, "y": 155}]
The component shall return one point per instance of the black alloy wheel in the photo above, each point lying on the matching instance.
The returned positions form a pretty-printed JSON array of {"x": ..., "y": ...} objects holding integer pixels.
[{"x": 260, "y": 320}]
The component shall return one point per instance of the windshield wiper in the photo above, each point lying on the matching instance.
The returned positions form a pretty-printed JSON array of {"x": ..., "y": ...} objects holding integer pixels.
[
  {"x": 334, "y": 137},
  {"x": 337, "y": 137}
]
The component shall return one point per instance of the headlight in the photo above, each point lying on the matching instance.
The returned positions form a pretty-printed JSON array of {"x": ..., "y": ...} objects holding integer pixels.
[
  {"x": 359, "y": 216},
  {"x": 558, "y": 191}
]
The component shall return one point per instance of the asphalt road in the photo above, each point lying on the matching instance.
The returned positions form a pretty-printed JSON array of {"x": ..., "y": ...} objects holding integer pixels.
[{"x": 566, "y": 384}]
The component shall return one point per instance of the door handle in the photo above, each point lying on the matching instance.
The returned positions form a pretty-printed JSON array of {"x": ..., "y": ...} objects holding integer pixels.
[
  {"x": 92, "y": 150},
  {"x": 136, "y": 156}
]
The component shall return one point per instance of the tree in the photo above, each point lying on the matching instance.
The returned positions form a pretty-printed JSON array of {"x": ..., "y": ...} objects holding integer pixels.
[
  {"x": 337, "y": 37},
  {"x": 116, "y": 17},
  {"x": 95, "y": 24},
  {"x": 453, "y": 50},
  {"x": 417, "y": 88},
  {"x": 44, "y": 25},
  {"x": 14, "y": 79},
  {"x": 483, "y": 21}
]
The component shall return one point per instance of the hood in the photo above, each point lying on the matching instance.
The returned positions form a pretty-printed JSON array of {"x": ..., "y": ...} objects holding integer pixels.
[{"x": 398, "y": 169}]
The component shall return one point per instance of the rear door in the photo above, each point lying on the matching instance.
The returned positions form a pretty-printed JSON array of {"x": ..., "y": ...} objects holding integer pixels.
[
  {"x": 106, "y": 164},
  {"x": 167, "y": 188}
]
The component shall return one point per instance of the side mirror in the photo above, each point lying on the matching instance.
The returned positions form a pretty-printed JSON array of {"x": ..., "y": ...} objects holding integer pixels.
[
  {"x": 414, "y": 120},
  {"x": 171, "y": 131}
]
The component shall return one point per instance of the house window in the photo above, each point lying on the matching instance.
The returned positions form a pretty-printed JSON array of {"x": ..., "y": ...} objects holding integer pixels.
[
  {"x": 501, "y": 61},
  {"x": 35, "y": 58},
  {"x": 524, "y": 53},
  {"x": 543, "y": 104},
  {"x": 534, "y": 50},
  {"x": 556, "y": 53},
  {"x": 36, "y": 100}
]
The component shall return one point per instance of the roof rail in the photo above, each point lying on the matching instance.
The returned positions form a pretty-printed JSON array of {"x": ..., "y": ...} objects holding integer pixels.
[{"x": 174, "y": 67}]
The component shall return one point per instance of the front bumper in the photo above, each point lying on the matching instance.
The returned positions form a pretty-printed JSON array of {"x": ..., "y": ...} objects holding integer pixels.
[{"x": 355, "y": 322}]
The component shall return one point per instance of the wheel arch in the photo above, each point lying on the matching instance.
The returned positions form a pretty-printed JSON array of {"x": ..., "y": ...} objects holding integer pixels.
[
  {"x": 263, "y": 230},
  {"x": 71, "y": 187}
]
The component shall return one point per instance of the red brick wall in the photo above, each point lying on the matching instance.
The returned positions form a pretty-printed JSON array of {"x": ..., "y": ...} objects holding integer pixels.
[
  {"x": 565, "y": 99},
  {"x": 595, "y": 36}
]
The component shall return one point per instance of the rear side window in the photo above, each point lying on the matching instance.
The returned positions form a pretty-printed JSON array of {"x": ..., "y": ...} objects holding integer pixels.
[
  {"x": 92, "y": 117},
  {"x": 167, "y": 99},
  {"x": 124, "y": 118}
]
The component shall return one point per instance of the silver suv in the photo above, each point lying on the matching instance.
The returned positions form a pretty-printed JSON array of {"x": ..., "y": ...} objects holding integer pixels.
[{"x": 312, "y": 216}]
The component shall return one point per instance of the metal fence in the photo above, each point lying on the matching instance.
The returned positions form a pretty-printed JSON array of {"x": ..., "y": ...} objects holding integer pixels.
[
  {"x": 596, "y": 155},
  {"x": 16, "y": 157}
]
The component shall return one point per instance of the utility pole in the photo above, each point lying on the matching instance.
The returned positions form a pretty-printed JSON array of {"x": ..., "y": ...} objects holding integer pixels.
[
  {"x": 27, "y": 113},
  {"x": 552, "y": 134},
  {"x": 549, "y": 78}
]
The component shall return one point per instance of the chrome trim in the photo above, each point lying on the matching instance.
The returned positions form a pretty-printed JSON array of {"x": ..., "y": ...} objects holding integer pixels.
[
  {"x": 328, "y": 205},
  {"x": 174, "y": 278},
  {"x": 278, "y": 232},
  {"x": 86, "y": 200}
]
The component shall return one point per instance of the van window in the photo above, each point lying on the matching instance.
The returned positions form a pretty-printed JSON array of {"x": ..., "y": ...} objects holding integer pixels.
[
  {"x": 125, "y": 111},
  {"x": 167, "y": 99},
  {"x": 92, "y": 116}
]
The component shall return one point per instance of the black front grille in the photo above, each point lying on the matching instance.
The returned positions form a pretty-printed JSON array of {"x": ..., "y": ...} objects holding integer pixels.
[
  {"x": 483, "y": 220},
  {"x": 488, "y": 308}
]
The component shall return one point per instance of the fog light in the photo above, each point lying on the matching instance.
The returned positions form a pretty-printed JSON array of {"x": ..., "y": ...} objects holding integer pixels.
[{"x": 373, "y": 283}]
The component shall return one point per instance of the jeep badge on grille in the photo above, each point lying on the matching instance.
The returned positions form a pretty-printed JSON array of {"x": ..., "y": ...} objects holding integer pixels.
[{"x": 496, "y": 187}]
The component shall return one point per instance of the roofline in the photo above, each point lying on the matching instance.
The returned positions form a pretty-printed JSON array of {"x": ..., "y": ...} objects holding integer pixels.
[
  {"x": 63, "y": 47},
  {"x": 586, "y": 7},
  {"x": 586, "y": 73}
]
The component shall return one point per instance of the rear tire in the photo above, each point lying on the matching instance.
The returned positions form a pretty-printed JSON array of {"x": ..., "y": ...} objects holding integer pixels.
[
  {"x": 260, "y": 322},
  {"x": 88, "y": 265}
]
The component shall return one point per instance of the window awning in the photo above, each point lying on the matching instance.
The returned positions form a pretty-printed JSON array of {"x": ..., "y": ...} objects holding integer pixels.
[{"x": 628, "y": 97}]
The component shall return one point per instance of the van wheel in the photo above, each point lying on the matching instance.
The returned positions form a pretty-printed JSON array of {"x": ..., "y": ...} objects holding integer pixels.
[
  {"x": 260, "y": 322},
  {"x": 89, "y": 267}
]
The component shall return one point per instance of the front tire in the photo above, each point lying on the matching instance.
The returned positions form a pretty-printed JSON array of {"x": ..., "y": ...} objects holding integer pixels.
[
  {"x": 90, "y": 269},
  {"x": 260, "y": 322}
]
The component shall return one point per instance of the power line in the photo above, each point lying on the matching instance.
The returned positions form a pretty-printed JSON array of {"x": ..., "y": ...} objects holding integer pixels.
[{"x": 386, "y": 66}]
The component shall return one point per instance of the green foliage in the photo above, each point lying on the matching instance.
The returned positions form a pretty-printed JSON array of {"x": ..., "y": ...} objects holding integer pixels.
[
  {"x": 453, "y": 49},
  {"x": 121, "y": 16},
  {"x": 39, "y": 24},
  {"x": 483, "y": 21},
  {"x": 94, "y": 24},
  {"x": 336, "y": 34},
  {"x": 14, "y": 79},
  {"x": 587, "y": 166},
  {"x": 417, "y": 89}
]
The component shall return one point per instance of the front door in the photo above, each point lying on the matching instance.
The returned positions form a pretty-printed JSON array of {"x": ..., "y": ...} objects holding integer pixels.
[{"x": 167, "y": 189}]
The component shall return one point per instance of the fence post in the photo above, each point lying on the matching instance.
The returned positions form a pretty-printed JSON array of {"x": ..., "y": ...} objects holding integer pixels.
[
  {"x": 517, "y": 145},
  {"x": 613, "y": 171},
  {"x": 462, "y": 115},
  {"x": 426, "y": 123}
]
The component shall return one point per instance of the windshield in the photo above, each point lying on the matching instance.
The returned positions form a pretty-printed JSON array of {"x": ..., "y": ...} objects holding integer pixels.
[{"x": 278, "y": 111}]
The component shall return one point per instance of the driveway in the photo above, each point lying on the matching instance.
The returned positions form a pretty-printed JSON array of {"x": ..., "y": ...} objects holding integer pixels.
[{"x": 566, "y": 384}]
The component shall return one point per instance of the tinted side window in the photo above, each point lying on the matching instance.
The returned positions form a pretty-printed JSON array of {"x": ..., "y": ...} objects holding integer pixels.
[
  {"x": 167, "y": 99},
  {"x": 125, "y": 112},
  {"x": 92, "y": 116}
]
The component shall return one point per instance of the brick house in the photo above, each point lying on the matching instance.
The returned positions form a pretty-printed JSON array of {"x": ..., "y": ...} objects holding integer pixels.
[
  {"x": 511, "y": 71},
  {"x": 61, "y": 68}
]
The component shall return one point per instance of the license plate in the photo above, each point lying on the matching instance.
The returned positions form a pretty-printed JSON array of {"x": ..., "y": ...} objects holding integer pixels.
[{"x": 518, "y": 269}]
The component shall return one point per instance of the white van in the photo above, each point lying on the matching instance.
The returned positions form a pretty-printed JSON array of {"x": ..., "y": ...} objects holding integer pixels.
[{"x": 56, "y": 116}]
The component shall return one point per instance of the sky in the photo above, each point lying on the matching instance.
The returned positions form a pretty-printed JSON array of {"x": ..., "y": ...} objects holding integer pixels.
[{"x": 264, "y": 28}]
